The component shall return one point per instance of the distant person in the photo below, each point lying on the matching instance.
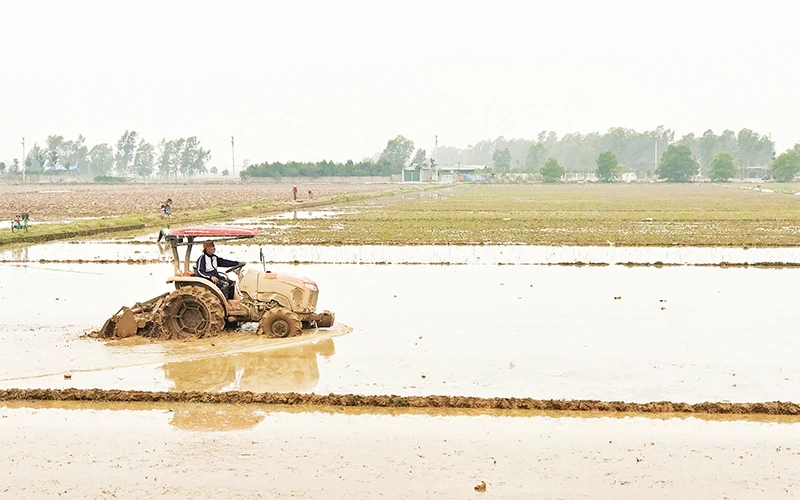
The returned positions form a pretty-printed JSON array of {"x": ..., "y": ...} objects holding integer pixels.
[
  {"x": 294, "y": 192},
  {"x": 166, "y": 208},
  {"x": 310, "y": 195},
  {"x": 207, "y": 268}
]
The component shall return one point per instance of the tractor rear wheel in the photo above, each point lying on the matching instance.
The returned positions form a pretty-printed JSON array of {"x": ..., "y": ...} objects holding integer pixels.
[
  {"x": 192, "y": 312},
  {"x": 280, "y": 323}
]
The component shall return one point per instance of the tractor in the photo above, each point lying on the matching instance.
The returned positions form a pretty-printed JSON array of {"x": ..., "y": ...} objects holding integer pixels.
[{"x": 283, "y": 305}]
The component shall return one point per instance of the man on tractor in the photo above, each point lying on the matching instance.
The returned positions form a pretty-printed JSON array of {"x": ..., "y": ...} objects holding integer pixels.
[{"x": 207, "y": 268}]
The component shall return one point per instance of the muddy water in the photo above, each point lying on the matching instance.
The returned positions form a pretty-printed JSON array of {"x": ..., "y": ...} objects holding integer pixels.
[
  {"x": 683, "y": 334},
  {"x": 215, "y": 451},
  {"x": 473, "y": 255}
]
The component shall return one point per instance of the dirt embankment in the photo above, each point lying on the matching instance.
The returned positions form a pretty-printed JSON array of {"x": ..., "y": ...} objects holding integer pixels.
[{"x": 391, "y": 401}]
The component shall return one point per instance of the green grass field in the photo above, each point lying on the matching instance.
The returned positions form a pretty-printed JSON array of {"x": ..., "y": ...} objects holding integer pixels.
[{"x": 569, "y": 214}]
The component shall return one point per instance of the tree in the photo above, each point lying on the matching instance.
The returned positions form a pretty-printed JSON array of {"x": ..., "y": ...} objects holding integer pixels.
[
  {"x": 192, "y": 157},
  {"x": 73, "y": 153},
  {"x": 213, "y": 170},
  {"x": 677, "y": 164},
  {"x": 787, "y": 165},
  {"x": 608, "y": 167},
  {"x": 36, "y": 159},
  {"x": 748, "y": 145},
  {"x": 14, "y": 166},
  {"x": 534, "y": 158},
  {"x": 552, "y": 171},
  {"x": 501, "y": 160},
  {"x": 55, "y": 146},
  {"x": 397, "y": 153},
  {"x": 100, "y": 160},
  {"x": 419, "y": 159},
  {"x": 144, "y": 159},
  {"x": 707, "y": 148},
  {"x": 126, "y": 151},
  {"x": 2, "y": 167},
  {"x": 722, "y": 167},
  {"x": 164, "y": 157},
  {"x": 225, "y": 173}
]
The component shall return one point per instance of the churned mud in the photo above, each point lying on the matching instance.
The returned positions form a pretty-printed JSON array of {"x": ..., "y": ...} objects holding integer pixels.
[{"x": 392, "y": 401}]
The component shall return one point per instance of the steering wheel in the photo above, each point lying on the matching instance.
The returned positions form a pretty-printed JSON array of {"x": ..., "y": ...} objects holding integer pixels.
[{"x": 237, "y": 267}]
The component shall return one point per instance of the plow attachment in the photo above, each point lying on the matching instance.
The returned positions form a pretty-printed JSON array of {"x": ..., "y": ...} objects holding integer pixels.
[{"x": 137, "y": 320}]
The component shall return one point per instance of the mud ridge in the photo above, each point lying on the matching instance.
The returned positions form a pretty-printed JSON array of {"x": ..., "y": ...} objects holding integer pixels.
[
  {"x": 38, "y": 238},
  {"x": 392, "y": 401},
  {"x": 657, "y": 264}
]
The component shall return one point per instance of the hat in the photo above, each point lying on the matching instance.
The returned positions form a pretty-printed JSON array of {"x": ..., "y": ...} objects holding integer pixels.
[{"x": 208, "y": 244}]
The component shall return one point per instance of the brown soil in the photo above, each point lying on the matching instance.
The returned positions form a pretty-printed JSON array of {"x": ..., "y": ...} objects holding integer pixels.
[
  {"x": 391, "y": 401},
  {"x": 55, "y": 201}
]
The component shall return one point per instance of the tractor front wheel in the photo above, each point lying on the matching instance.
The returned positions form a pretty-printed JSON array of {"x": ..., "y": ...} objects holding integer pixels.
[
  {"x": 280, "y": 323},
  {"x": 192, "y": 312}
]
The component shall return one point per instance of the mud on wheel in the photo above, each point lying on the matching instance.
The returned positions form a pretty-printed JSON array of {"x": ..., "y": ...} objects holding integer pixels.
[
  {"x": 192, "y": 312},
  {"x": 280, "y": 323}
]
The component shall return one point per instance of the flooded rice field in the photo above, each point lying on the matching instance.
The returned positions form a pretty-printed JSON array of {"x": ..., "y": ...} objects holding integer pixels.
[
  {"x": 215, "y": 451},
  {"x": 685, "y": 334}
]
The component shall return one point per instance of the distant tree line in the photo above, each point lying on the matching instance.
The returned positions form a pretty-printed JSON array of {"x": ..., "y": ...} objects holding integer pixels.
[
  {"x": 132, "y": 156},
  {"x": 719, "y": 157},
  {"x": 638, "y": 151},
  {"x": 624, "y": 150},
  {"x": 398, "y": 154}
]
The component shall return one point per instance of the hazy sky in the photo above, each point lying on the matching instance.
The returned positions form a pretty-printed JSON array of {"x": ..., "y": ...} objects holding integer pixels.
[{"x": 336, "y": 80}]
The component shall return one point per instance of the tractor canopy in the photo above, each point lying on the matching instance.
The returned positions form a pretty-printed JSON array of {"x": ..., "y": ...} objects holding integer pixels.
[
  {"x": 188, "y": 235},
  {"x": 213, "y": 232}
]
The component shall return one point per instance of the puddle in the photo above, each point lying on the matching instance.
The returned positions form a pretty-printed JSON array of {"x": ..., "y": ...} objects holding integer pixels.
[
  {"x": 269, "y": 221},
  {"x": 122, "y": 251},
  {"x": 297, "y": 214},
  {"x": 95, "y": 450},
  {"x": 682, "y": 334}
]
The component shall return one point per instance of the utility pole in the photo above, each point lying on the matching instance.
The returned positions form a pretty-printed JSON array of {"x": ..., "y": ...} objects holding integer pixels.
[
  {"x": 435, "y": 155},
  {"x": 233, "y": 159},
  {"x": 23, "y": 159}
]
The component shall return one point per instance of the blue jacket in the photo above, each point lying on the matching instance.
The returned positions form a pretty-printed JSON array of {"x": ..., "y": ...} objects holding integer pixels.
[{"x": 207, "y": 265}]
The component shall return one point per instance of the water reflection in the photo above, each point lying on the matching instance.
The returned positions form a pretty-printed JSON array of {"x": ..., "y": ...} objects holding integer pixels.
[
  {"x": 289, "y": 369},
  {"x": 20, "y": 253},
  {"x": 202, "y": 417}
]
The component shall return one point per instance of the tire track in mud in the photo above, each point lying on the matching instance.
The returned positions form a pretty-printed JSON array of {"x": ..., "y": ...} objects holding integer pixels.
[{"x": 392, "y": 401}]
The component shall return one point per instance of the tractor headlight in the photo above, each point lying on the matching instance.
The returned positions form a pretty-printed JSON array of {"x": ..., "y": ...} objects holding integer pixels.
[{"x": 312, "y": 287}]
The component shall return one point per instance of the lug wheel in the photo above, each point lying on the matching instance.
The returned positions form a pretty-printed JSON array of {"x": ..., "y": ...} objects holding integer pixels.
[
  {"x": 280, "y": 323},
  {"x": 192, "y": 312}
]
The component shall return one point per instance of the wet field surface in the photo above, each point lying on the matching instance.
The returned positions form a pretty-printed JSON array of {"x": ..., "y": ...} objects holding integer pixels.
[
  {"x": 685, "y": 334},
  {"x": 212, "y": 451},
  {"x": 637, "y": 334},
  {"x": 143, "y": 249}
]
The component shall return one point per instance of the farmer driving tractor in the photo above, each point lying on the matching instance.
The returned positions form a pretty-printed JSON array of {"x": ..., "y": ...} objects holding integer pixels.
[{"x": 207, "y": 268}]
